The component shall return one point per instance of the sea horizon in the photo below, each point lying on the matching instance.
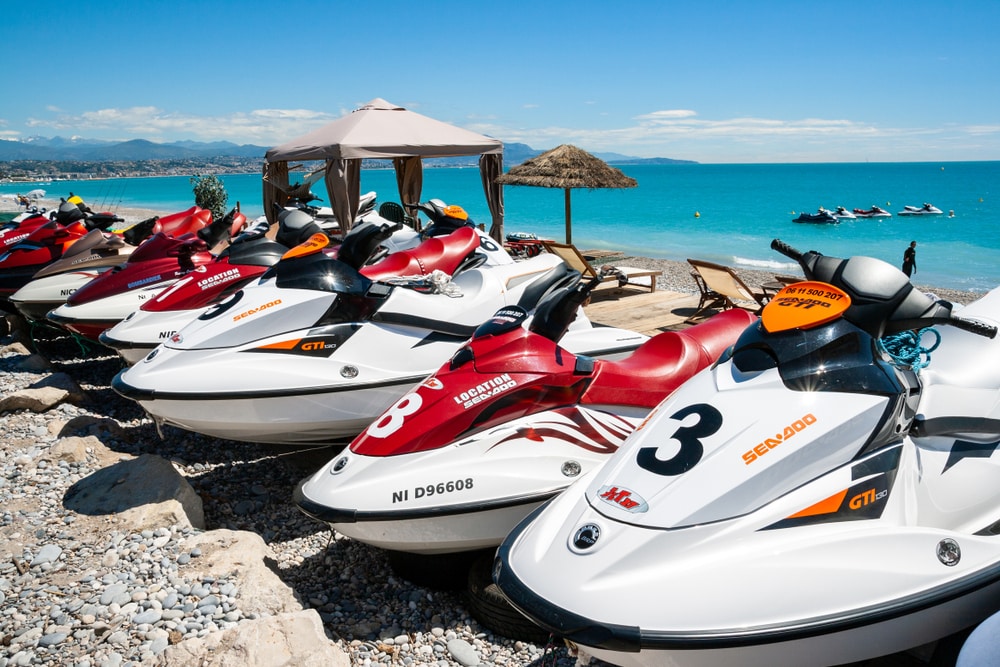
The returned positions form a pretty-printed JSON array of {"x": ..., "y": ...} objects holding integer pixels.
[{"x": 727, "y": 213}]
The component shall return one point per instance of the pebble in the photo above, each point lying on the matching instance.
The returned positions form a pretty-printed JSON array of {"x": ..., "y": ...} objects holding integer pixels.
[{"x": 76, "y": 591}]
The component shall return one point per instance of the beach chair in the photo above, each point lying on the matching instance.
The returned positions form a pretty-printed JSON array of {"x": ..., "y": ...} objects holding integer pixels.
[
  {"x": 393, "y": 212},
  {"x": 720, "y": 287},
  {"x": 625, "y": 275}
]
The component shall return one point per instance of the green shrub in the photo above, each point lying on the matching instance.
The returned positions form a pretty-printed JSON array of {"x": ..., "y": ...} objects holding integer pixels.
[{"x": 210, "y": 193}]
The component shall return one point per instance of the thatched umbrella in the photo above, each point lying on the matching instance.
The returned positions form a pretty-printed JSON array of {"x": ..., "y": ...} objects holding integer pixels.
[{"x": 567, "y": 167}]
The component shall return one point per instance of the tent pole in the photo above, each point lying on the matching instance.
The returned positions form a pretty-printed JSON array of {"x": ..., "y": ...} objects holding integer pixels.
[{"x": 569, "y": 236}]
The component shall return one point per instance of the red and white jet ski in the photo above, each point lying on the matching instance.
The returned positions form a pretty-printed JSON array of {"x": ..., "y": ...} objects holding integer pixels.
[{"x": 505, "y": 425}]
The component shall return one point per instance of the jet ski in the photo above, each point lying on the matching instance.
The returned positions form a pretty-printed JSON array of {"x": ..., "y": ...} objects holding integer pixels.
[
  {"x": 843, "y": 214},
  {"x": 106, "y": 299},
  {"x": 315, "y": 350},
  {"x": 873, "y": 212},
  {"x": 83, "y": 261},
  {"x": 18, "y": 229},
  {"x": 36, "y": 291},
  {"x": 506, "y": 424},
  {"x": 926, "y": 209},
  {"x": 822, "y": 216},
  {"x": 815, "y": 498},
  {"x": 249, "y": 256},
  {"x": 43, "y": 245}
]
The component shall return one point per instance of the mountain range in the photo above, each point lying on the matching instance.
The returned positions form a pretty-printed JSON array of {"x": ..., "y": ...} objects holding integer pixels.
[{"x": 91, "y": 150}]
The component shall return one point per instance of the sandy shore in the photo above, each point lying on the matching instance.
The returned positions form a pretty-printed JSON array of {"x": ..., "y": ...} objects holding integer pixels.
[{"x": 676, "y": 275}]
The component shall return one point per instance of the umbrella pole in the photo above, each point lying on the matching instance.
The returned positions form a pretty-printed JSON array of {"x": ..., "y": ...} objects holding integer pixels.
[{"x": 569, "y": 236}]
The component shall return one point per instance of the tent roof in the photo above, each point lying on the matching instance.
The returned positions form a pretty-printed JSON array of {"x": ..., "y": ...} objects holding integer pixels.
[{"x": 380, "y": 129}]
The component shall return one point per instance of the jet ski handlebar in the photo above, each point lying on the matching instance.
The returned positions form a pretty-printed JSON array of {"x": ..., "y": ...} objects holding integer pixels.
[
  {"x": 883, "y": 300},
  {"x": 556, "y": 312}
]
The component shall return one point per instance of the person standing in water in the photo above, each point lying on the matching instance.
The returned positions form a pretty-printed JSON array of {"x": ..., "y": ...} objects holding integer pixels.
[{"x": 910, "y": 259}]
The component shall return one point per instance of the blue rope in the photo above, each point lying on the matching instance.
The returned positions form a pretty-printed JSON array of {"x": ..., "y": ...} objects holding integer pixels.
[{"x": 904, "y": 348}]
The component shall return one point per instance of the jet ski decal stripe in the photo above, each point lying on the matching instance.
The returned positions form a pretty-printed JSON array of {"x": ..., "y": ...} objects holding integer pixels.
[
  {"x": 603, "y": 436},
  {"x": 138, "y": 394},
  {"x": 863, "y": 500},
  {"x": 828, "y": 506},
  {"x": 403, "y": 319}
]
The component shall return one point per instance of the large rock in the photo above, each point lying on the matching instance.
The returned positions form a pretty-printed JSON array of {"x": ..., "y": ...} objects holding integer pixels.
[
  {"x": 288, "y": 640},
  {"x": 75, "y": 449},
  {"x": 146, "y": 492},
  {"x": 44, "y": 395},
  {"x": 225, "y": 553}
]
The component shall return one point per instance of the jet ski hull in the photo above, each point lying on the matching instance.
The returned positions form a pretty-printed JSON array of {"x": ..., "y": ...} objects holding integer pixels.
[
  {"x": 302, "y": 416},
  {"x": 144, "y": 331},
  {"x": 41, "y": 295},
  {"x": 467, "y": 495},
  {"x": 850, "y": 636},
  {"x": 92, "y": 318},
  {"x": 307, "y": 398}
]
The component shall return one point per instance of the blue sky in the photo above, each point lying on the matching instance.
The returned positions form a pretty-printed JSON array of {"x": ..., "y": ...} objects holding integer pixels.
[{"x": 715, "y": 82}]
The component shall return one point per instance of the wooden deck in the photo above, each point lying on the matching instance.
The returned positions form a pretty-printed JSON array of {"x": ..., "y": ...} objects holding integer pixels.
[{"x": 645, "y": 312}]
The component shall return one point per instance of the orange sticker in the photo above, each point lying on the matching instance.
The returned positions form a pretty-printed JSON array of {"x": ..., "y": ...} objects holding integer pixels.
[
  {"x": 314, "y": 243},
  {"x": 803, "y": 306},
  {"x": 455, "y": 211}
]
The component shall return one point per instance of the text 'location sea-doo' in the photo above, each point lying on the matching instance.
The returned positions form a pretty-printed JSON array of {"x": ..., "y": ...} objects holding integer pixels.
[{"x": 815, "y": 498}]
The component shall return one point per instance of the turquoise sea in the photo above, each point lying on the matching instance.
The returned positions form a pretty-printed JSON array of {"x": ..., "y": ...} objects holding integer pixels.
[{"x": 722, "y": 213}]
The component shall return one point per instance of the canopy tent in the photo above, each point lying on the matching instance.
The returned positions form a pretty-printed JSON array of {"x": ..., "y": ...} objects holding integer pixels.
[
  {"x": 382, "y": 130},
  {"x": 567, "y": 167}
]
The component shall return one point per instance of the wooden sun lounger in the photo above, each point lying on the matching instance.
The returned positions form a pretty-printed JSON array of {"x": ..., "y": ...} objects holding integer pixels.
[
  {"x": 625, "y": 275},
  {"x": 720, "y": 287}
]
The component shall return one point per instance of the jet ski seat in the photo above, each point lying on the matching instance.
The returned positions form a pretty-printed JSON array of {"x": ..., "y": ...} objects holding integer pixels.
[
  {"x": 561, "y": 275},
  {"x": 654, "y": 370},
  {"x": 445, "y": 252},
  {"x": 255, "y": 252}
]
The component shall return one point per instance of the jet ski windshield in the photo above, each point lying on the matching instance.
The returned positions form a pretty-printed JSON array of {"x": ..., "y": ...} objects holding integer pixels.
[
  {"x": 317, "y": 271},
  {"x": 835, "y": 357}
]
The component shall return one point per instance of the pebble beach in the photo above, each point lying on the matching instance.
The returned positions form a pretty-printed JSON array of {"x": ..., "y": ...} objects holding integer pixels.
[{"x": 94, "y": 589}]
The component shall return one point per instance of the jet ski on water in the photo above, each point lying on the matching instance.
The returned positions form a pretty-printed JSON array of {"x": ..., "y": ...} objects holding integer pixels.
[
  {"x": 315, "y": 350},
  {"x": 821, "y": 216},
  {"x": 842, "y": 213},
  {"x": 873, "y": 212},
  {"x": 926, "y": 209},
  {"x": 815, "y": 498},
  {"x": 506, "y": 424}
]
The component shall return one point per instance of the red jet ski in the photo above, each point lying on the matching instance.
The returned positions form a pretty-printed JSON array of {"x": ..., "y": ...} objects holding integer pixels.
[{"x": 161, "y": 260}]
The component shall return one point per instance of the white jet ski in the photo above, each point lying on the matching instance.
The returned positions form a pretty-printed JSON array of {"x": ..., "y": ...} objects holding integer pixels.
[
  {"x": 314, "y": 350},
  {"x": 926, "y": 209},
  {"x": 806, "y": 501},
  {"x": 250, "y": 255}
]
